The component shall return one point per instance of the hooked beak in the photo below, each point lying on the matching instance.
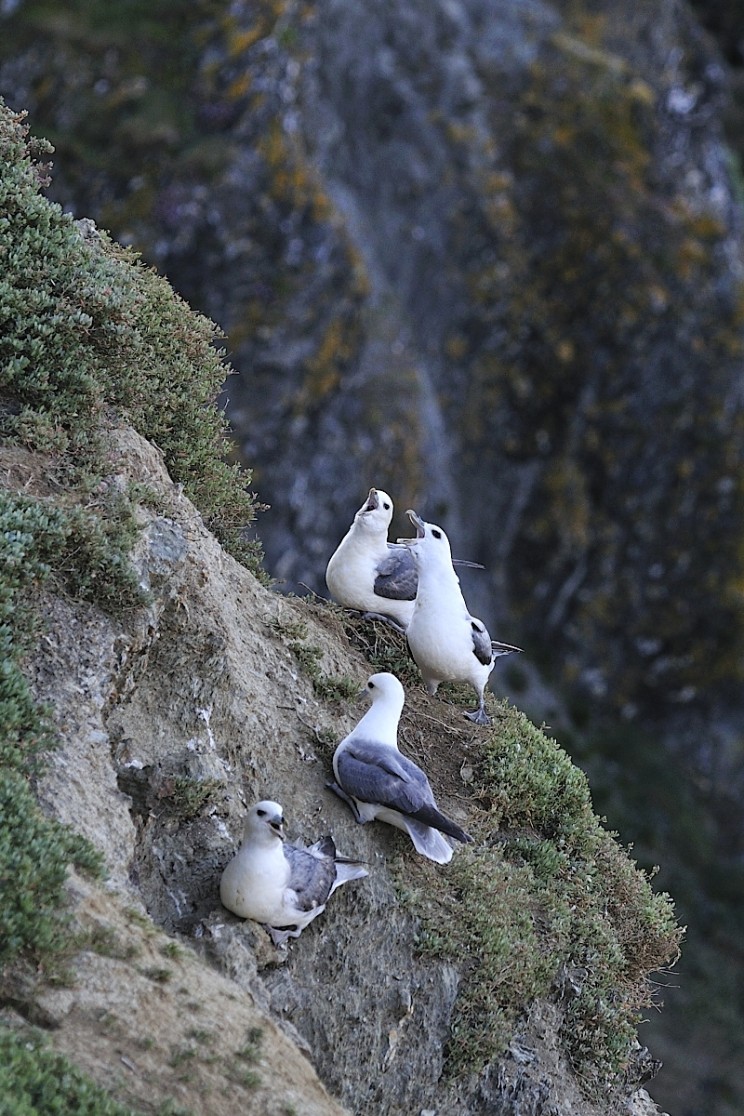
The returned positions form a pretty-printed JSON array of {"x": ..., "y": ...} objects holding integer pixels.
[
  {"x": 373, "y": 501},
  {"x": 418, "y": 523},
  {"x": 277, "y": 824}
]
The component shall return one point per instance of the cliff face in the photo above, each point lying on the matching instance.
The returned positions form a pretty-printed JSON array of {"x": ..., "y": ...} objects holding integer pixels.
[
  {"x": 449, "y": 242},
  {"x": 153, "y": 688},
  {"x": 452, "y": 242},
  {"x": 488, "y": 257},
  {"x": 170, "y": 722}
]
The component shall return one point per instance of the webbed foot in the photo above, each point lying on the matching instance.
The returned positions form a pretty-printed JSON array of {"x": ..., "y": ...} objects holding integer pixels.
[
  {"x": 337, "y": 790},
  {"x": 385, "y": 620},
  {"x": 479, "y": 716}
]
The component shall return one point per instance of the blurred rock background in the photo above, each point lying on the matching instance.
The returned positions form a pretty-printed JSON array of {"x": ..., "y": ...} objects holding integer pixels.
[{"x": 489, "y": 258}]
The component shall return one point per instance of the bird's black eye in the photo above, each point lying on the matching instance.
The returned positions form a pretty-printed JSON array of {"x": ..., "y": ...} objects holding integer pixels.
[
  {"x": 436, "y": 534},
  {"x": 386, "y": 506},
  {"x": 370, "y": 685},
  {"x": 261, "y": 813}
]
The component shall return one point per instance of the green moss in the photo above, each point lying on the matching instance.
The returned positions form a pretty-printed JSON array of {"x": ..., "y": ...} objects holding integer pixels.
[
  {"x": 171, "y": 949},
  {"x": 489, "y": 927},
  {"x": 158, "y": 974},
  {"x": 309, "y": 656},
  {"x": 104, "y": 940},
  {"x": 35, "y": 1081},
  {"x": 545, "y": 891},
  {"x": 86, "y": 334},
  {"x": 326, "y": 686},
  {"x": 239, "y": 1068},
  {"x": 34, "y": 851},
  {"x": 34, "y": 855},
  {"x": 85, "y": 327}
]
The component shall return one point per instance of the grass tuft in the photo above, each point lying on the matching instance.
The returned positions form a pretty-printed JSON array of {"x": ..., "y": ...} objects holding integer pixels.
[
  {"x": 545, "y": 890},
  {"x": 41, "y": 1081}
]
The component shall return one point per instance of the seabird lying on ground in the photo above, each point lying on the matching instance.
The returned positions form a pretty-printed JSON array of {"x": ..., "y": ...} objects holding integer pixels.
[
  {"x": 378, "y": 782},
  {"x": 281, "y": 885},
  {"x": 370, "y": 574},
  {"x": 447, "y": 643}
]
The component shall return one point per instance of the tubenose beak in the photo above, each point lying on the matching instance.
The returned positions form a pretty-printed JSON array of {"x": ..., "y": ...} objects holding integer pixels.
[
  {"x": 277, "y": 825},
  {"x": 373, "y": 501},
  {"x": 420, "y": 526}
]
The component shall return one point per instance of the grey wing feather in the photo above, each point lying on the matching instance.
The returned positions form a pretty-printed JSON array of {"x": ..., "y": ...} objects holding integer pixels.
[
  {"x": 396, "y": 575},
  {"x": 311, "y": 876},
  {"x": 481, "y": 642},
  {"x": 376, "y": 773},
  {"x": 379, "y": 774}
]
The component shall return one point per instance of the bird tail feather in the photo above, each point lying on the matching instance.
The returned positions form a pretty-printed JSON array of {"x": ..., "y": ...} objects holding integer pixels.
[
  {"x": 430, "y": 816},
  {"x": 429, "y": 842},
  {"x": 347, "y": 870}
]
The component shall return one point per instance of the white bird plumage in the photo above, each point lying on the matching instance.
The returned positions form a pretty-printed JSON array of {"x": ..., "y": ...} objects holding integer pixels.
[
  {"x": 447, "y": 643},
  {"x": 377, "y": 781},
  {"x": 282, "y": 885},
  {"x": 368, "y": 573}
]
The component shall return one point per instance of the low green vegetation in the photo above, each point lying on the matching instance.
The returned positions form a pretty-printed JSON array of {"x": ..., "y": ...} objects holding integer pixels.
[
  {"x": 240, "y": 1067},
  {"x": 88, "y": 332},
  {"x": 88, "y": 338},
  {"x": 385, "y": 648},
  {"x": 36, "y": 1080},
  {"x": 327, "y": 687},
  {"x": 545, "y": 904},
  {"x": 190, "y": 796},
  {"x": 34, "y": 851}
]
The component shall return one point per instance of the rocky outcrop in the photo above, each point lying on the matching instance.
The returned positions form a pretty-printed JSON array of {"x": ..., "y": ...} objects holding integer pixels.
[
  {"x": 170, "y": 720},
  {"x": 487, "y": 257}
]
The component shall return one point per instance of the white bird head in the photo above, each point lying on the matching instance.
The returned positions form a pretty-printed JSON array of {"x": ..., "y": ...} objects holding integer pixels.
[
  {"x": 431, "y": 543},
  {"x": 375, "y": 513},
  {"x": 264, "y": 823},
  {"x": 384, "y": 687}
]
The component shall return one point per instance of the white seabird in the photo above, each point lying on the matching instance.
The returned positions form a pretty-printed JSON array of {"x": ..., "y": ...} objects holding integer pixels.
[
  {"x": 447, "y": 643},
  {"x": 371, "y": 575},
  {"x": 378, "y": 782},
  {"x": 281, "y": 885},
  {"x": 368, "y": 573}
]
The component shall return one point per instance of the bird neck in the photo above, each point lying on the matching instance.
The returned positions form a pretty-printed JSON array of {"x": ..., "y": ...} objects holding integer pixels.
[
  {"x": 371, "y": 530},
  {"x": 380, "y": 723},
  {"x": 434, "y": 581},
  {"x": 367, "y": 537},
  {"x": 262, "y": 839}
]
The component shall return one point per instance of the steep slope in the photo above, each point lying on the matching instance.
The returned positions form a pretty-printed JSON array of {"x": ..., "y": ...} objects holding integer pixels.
[
  {"x": 153, "y": 687},
  {"x": 450, "y": 240},
  {"x": 170, "y": 721}
]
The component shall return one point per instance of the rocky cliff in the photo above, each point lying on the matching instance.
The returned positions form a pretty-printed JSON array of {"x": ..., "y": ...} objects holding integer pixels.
[
  {"x": 154, "y": 686},
  {"x": 489, "y": 257},
  {"x": 452, "y": 241}
]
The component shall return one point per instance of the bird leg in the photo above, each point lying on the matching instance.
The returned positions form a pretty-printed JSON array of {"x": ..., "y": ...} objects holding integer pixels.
[
  {"x": 279, "y": 937},
  {"x": 347, "y": 799},
  {"x": 479, "y": 715},
  {"x": 385, "y": 620}
]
